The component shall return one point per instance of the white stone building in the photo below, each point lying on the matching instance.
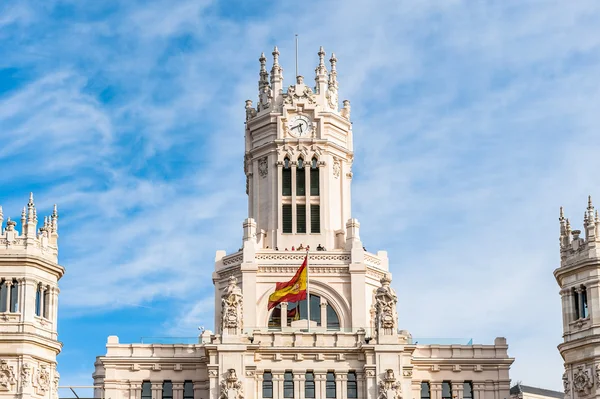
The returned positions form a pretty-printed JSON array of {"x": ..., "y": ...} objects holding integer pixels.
[
  {"x": 579, "y": 279},
  {"x": 29, "y": 275},
  {"x": 298, "y": 166}
]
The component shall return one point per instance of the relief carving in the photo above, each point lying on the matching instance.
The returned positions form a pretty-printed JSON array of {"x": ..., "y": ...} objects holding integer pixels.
[
  {"x": 42, "y": 379},
  {"x": 232, "y": 308},
  {"x": 389, "y": 388},
  {"x": 298, "y": 92},
  {"x": 386, "y": 317},
  {"x": 231, "y": 386},
  {"x": 55, "y": 382},
  {"x": 25, "y": 375},
  {"x": 583, "y": 380},
  {"x": 7, "y": 376},
  {"x": 263, "y": 167},
  {"x": 336, "y": 168},
  {"x": 565, "y": 379}
]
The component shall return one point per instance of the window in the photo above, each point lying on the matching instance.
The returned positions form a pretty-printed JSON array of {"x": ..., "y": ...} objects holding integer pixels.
[
  {"x": 309, "y": 385},
  {"x": 14, "y": 296},
  {"x": 298, "y": 311},
  {"x": 146, "y": 390},
  {"x": 314, "y": 177},
  {"x": 330, "y": 385},
  {"x": 288, "y": 385},
  {"x": 286, "y": 177},
  {"x": 46, "y": 297},
  {"x": 446, "y": 390},
  {"x": 315, "y": 218},
  {"x": 3, "y": 295},
  {"x": 267, "y": 385},
  {"x": 584, "y": 302},
  {"x": 300, "y": 178},
  {"x": 425, "y": 390},
  {"x": 188, "y": 390},
  {"x": 467, "y": 390},
  {"x": 167, "y": 391},
  {"x": 352, "y": 388},
  {"x": 576, "y": 303},
  {"x": 286, "y": 215},
  {"x": 38, "y": 301},
  {"x": 301, "y": 218}
]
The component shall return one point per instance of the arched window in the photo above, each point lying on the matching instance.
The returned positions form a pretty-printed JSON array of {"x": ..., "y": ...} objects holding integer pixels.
[
  {"x": 309, "y": 385},
  {"x": 314, "y": 178},
  {"x": 352, "y": 387},
  {"x": 300, "y": 178},
  {"x": 267, "y": 385},
  {"x": 3, "y": 295},
  {"x": 330, "y": 385},
  {"x": 286, "y": 177},
  {"x": 288, "y": 384},
  {"x": 14, "y": 296},
  {"x": 146, "y": 390},
  {"x": 38, "y": 301},
  {"x": 299, "y": 310}
]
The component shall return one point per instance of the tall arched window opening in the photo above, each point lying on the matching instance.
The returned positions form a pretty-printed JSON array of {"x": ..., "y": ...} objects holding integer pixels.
[
  {"x": 299, "y": 310},
  {"x": 314, "y": 177},
  {"x": 14, "y": 296},
  {"x": 286, "y": 178},
  {"x": 300, "y": 178}
]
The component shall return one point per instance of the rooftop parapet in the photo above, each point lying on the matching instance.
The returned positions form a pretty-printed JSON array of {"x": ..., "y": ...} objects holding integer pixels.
[{"x": 42, "y": 242}]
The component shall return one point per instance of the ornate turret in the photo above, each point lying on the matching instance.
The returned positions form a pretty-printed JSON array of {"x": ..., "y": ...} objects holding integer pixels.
[{"x": 29, "y": 275}]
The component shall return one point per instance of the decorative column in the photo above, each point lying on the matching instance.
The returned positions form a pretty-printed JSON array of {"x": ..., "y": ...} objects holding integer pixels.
[
  {"x": 22, "y": 296},
  {"x": 341, "y": 385},
  {"x": 8, "y": 284},
  {"x": 198, "y": 386},
  {"x": 478, "y": 390},
  {"x": 156, "y": 390},
  {"x": 135, "y": 390},
  {"x": 457, "y": 389},
  {"x": 320, "y": 377},
  {"x": 360, "y": 385},
  {"x": 277, "y": 385},
  {"x": 284, "y": 312},
  {"x": 299, "y": 385},
  {"x": 178, "y": 390},
  {"x": 435, "y": 390},
  {"x": 323, "y": 305}
]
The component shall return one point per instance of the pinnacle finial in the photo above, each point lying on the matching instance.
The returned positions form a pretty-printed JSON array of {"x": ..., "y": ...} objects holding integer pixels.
[
  {"x": 561, "y": 215},
  {"x": 23, "y": 212},
  {"x": 590, "y": 206},
  {"x": 333, "y": 61},
  {"x": 30, "y": 203},
  {"x": 568, "y": 225},
  {"x": 55, "y": 212},
  {"x": 321, "y": 69},
  {"x": 275, "y": 56}
]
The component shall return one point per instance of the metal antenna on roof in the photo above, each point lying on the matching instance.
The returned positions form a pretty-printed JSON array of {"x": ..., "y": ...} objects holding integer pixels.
[{"x": 296, "y": 54}]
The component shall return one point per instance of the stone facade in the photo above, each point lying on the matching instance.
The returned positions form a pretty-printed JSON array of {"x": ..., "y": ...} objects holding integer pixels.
[
  {"x": 298, "y": 166},
  {"x": 579, "y": 279},
  {"x": 29, "y": 275}
]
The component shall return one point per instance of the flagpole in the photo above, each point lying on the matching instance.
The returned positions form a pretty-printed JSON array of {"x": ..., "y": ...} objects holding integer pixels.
[{"x": 307, "y": 290}]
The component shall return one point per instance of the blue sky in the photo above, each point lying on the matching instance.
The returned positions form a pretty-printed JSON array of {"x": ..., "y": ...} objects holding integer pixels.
[{"x": 473, "y": 123}]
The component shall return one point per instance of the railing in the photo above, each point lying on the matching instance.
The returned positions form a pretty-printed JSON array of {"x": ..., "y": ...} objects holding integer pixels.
[{"x": 171, "y": 340}]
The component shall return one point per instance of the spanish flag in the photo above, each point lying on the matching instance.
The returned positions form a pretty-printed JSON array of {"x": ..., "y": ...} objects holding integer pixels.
[{"x": 291, "y": 291}]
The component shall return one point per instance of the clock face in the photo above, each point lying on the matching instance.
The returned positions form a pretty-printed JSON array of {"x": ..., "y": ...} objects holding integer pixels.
[{"x": 300, "y": 126}]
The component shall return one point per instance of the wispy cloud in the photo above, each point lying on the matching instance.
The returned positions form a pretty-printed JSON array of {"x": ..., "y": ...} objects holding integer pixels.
[{"x": 472, "y": 124}]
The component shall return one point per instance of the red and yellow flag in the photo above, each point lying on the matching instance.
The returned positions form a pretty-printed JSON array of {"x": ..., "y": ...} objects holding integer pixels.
[{"x": 291, "y": 291}]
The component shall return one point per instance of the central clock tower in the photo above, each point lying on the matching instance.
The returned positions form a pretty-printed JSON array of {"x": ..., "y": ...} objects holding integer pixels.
[{"x": 298, "y": 159}]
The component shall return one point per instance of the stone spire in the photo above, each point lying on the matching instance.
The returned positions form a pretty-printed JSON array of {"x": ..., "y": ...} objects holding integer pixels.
[
  {"x": 276, "y": 74},
  {"x": 321, "y": 72},
  {"x": 265, "y": 94},
  {"x": 54, "y": 220},
  {"x": 333, "y": 73}
]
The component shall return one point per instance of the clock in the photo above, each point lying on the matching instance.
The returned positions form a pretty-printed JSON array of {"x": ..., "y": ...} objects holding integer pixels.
[{"x": 300, "y": 126}]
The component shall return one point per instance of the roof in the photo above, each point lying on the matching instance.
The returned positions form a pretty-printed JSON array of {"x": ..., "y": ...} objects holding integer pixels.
[{"x": 536, "y": 391}]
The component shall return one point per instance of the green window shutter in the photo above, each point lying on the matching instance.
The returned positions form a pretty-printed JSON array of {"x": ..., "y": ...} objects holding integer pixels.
[
  {"x": 315, "y": 218},
  {"x": 301, "y": 218},
  {"x": 286, "y": 184},
  {"x": 314, "y": 182},
  {"x": 286, "y": 213}
]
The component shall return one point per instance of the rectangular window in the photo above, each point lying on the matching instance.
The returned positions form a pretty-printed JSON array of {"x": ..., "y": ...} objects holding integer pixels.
[
  {"x": 330, "y": 385},
  {"x": 146, "y": 390},
  {"x": 467, "y": 390},
  {"x": 314, "y": 181},
  {"x": 14, "y": 297},
  {"x": 301, "y": 218},
  {"x": 267, "y": 387},
  {"x": 167, "y": 391},
  {"x": 352, "y": 391},
  {"x": 576, "y": 303},
  {"x": 315, "y": 218},
  {"x": 309, "y": 385},
  {"x": 286, "y": 184},
  {"x": 188, "y": 390},
  {"x": 286, "y": 215},
  {"x": 38, "y": 302},
  {"x": 446, "y": 390},
  {"x": 584, "y": 302},
  {"x": 300, "y": 182},
  {"x": 288, "y": 385},
  {"x": 46, "y": 301},
  {"x": 425, "y": 390},
  {"x": 3, "y": 295}
]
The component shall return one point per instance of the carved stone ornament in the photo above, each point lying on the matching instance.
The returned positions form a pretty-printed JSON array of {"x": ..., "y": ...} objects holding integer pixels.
[
  {"x": 565, "y": 379},
  {"x": 55, "y": 381},
  {"x": 250, "y": 111},
  {"x": 389, "y": 388},
  {"x": 386, "y": 317},
  {"x": 232, "y": 308},
  {"x": 265, "y": 98},
  {"x": 582, "y": 380},
  {"x": 332, "y": 97},
  {"x": 7, "y": 376},
  {"x": 345, "y": 112},
  {"x": 231, "y": 387},
  {"x": 336, "y": 168},
  {"x": 299, "y": 93},
  {"x": 263, "y": 167},
  {"x": 25, "y": 375},
  {"x": 42, "y": 379}
]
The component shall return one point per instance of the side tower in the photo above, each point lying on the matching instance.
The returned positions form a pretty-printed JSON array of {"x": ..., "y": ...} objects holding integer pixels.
[
  {"x": 29, "y": 274},
  {"x": 579, "y": 279}
]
